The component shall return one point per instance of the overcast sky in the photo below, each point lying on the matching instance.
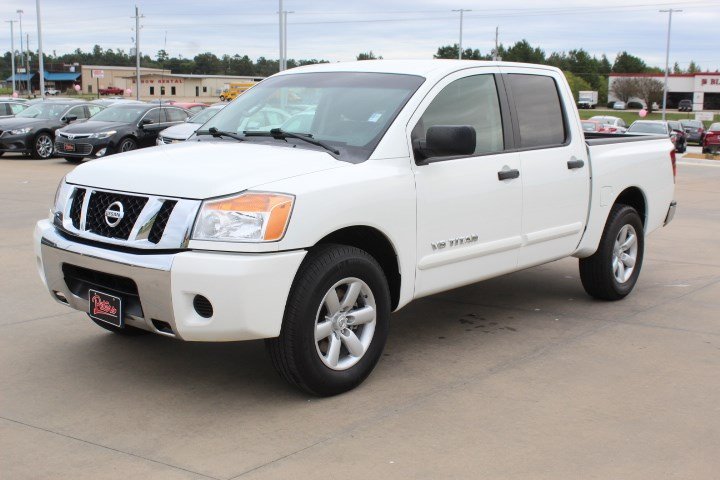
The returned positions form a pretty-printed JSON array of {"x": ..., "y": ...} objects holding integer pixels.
[{"x": 337, "y": 31}]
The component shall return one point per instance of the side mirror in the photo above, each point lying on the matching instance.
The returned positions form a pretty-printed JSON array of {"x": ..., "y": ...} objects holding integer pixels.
[
  {"x": 447, "y": 141},
  {"x": 145, "y": 121},
  {"x": 69, "y": 118}
]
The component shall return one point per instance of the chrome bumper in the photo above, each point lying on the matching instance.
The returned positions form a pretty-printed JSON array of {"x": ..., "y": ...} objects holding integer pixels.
[
  {"x": 671, "y": 212},
  {"x": 151, "y": 273}
]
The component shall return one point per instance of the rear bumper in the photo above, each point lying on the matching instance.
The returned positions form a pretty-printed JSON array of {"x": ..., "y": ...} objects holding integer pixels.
[{"x": 247, "y": 291}]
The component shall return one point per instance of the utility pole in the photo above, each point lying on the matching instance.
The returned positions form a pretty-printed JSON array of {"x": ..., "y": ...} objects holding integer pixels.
[
  {"x": 281, "y": 20},
  {"x": 667, "y": 59},
  {"x": 22, "y": 49},
  {"x": 27, "y": 62},
  {"x": 12, "y": 50},
  {"x": 496, "y": 56},
  {"x": 41, "y": 60},
  {"x": 137, "y": 52},
  {"x": 462, "y": 11},
  {"x": 285, "y": 37}
]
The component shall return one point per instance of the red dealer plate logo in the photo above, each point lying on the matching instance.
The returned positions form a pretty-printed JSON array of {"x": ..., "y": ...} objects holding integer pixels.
[{"x": 106, "y": 308}]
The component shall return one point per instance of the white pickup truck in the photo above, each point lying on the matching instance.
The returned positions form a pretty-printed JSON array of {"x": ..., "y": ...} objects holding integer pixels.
[{"x": 328, "y": 196}]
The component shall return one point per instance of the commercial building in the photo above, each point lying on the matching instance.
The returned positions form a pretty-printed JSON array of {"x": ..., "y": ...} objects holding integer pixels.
[{"x": 702, "y": 88}]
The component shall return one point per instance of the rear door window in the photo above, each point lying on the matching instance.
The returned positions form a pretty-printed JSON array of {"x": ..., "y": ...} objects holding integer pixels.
[
  {"x": 175, "y": 115},
  {"x": 539, "y": 111}
]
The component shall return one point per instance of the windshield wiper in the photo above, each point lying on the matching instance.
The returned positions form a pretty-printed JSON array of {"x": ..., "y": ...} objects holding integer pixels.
[
  {"x": 280, "y": 134},
  {"x": 219, "y": 133}
]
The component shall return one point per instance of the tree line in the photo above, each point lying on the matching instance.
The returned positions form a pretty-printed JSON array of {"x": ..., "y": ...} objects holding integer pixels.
[{"x": 583, "y": 71}]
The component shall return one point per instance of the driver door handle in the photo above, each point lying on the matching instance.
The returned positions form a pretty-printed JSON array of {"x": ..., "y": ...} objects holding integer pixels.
[{"x": 508, "y": 174}]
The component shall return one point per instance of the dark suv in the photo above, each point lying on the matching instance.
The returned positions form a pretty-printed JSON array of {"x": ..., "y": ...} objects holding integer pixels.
[
  {"x": 685, "y": 105},
  {"x": 31, "y": 131}
]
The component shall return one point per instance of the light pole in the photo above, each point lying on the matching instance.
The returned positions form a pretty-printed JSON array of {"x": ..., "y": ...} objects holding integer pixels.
[
  {"x": 462, "y": 11},
  {"x": 667, "y": 58},
  {"x": 22, "y": 50},
  {"x": 41, "y": 60},
  {"x": 281, "y": 18},
  {"x": 12, "y": 51}
]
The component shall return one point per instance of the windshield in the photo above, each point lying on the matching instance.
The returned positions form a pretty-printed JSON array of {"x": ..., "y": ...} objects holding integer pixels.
[
  {"x": 120, "y": 114},
  {"x": 715, "y": 127},
  {"x": 347, "y": 110},
  {"x": 691, "y": 123},
  {"x": 204, "y": 115},
  {"x": 589, "y": 126},
  {"x": 48, "y": 111},
  {"x": 655, "y": 128}
]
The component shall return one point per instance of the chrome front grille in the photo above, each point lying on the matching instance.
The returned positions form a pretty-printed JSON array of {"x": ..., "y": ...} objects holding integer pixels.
[{"x": 146, "y": 221}]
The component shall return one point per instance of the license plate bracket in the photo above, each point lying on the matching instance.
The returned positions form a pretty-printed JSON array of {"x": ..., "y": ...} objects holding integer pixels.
[
  {"x": 105, "y": 307},
  {"x": 69, "y": 147}
]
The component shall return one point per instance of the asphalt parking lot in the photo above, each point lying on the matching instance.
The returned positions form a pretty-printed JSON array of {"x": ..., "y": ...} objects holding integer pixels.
[{"x": 523, "y": 376}]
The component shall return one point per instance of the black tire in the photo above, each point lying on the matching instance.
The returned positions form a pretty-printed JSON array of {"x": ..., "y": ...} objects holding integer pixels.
[
  {"x": 705, "y": 150},
  {"x": 126, "y": 144},
  {"x": 596, "y": 271},
  {"x": 74, "y": 160},
  {"x": 127, "y": 330},
  {"x": 294, "y": 353},
  {"x": 38, "y": 152}
]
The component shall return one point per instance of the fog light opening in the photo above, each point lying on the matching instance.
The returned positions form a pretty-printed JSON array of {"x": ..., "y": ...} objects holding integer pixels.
[
  {"x": 101, "y": 152},
  {"x": 60, "y": 296},
  {"x": 202, "y": 306},
  {"x": 163, "y": 327}
]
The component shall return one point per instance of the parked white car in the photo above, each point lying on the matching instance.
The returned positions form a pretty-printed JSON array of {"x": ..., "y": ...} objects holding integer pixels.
[
  {"x": 619, "y": 105},
  {"x": 51, "y": 91},
  {"x": 614, "y": 124},
  {"x": 414, "y": 177},
  {"x": 183, "y": 131}
]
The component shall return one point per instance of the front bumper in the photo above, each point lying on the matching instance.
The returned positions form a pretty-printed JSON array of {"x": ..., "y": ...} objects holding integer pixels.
[
  {"x": 83, "y": 147},
  {"x": 15, "y": 143},
  {"x": 247, "y": 291}
]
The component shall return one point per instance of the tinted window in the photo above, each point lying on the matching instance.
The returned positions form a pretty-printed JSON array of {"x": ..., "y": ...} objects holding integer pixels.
[
  {"x": 176, "y": 115},
  {"x": 93, "y": 109},
  {"x": 469, "y": 101},
  {"x": 675, "y": 125},
  {"x": 153, "y": 115},
  {"x": 5, "y": 109},
  {"x": 79, "y": 112},
  {"x": 539, "y": 111},
  {"x": 16, "y": 108},
  {"x": 646, "y": 127}
]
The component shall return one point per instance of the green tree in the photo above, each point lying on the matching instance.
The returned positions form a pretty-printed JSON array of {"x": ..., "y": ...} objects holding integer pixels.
[
  {"x": 451, "y": 52},
  {"x": 676, "y": 68},
  {"x": 367, "y": 56},
  {"x": 522, "y": 51},
  {"x": 693, "y": 67},
  {"x": 162, "y": 56},
  {"x": 626, "y": 63},
  {"x": 577, "y": 84}
]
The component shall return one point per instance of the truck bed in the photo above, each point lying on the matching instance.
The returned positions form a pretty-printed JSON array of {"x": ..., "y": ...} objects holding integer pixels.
[{"x": 595, "y": 138}]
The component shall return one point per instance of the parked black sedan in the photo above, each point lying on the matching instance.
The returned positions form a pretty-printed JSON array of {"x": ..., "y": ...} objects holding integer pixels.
[
  {"x": 31, "y": 131},
  {"x": 119, "y": 128}
]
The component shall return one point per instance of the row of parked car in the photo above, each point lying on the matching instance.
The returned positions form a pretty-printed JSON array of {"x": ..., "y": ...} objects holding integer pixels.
[
  {"x": 680, "y": 132},
  {"x": 79, "y": 130}
]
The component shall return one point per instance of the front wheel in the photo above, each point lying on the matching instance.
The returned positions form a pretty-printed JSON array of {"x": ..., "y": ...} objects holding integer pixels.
[
  {"x": 42, "y": 148},
  {"x": 126, "y": 145},
  {"x": 335, "y": 323},
  {"x": 612, "y": 271}
]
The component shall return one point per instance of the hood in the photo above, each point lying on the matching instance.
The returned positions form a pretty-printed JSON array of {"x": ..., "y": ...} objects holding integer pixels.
[
  {"x": 200, "y": 170},
  {"x": 91, "y": 126},
  {"x": 21, "y": 122},
  {"x": 181, "y": 131}
]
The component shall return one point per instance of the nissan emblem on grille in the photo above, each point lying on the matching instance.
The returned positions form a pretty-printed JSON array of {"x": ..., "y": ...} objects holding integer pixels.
[{"x": 114, "y": 214}]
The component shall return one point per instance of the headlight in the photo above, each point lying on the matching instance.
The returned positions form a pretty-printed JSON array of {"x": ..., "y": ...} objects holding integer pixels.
[
  {"x": 103, "y": 134},
  {"x": 61, "y": 197},
  {"x": 248, "y": 217},
  {"x": 20, "y": 131}
]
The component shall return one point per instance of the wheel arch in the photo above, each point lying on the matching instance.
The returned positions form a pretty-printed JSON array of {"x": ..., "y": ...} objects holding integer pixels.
[
  {"x": 378, "y": 245},
  {"x": 634, "y": 197}
]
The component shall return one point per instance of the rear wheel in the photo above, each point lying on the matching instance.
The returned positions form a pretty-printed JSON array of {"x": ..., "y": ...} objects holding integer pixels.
[
  {"x": 612, "y": 271},
  {"x": 335, "y": 323}
]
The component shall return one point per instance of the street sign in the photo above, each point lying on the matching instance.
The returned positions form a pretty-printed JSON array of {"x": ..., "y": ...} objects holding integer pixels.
[
  {"x": 20, "y": 70},
  {"x": 705, "y": 116},
  {"x": 98, "y": 73}
]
